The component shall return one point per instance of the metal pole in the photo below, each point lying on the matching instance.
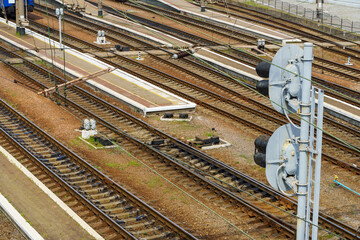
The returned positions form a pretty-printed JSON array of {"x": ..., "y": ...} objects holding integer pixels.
[
  {"x": 341, "y": 21},
  {"x": 60, "y": 32},
  {"x": 20, "y": 18},
  {"x": 331, "y": 21},
  {"x": 304, "y": 141},
  {"x": 202, "y": 5},
  {"x": 59, "y": 12},
  {"x": 100, "y": 12}
]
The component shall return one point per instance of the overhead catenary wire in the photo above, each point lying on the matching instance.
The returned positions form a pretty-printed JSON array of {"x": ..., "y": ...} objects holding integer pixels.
[
  {"x": 163, "y": 177},
  {"x": 51, "y": 51},
  {"x": 227, "y": 74},
  {"x": 175, "y": 44},
  {"x": 340, "y": 140},
  {"x": 227, "y": 45},
  {"x": 198, "y": 170}
]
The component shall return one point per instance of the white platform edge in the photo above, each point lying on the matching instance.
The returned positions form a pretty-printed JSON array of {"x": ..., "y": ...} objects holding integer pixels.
[
  {"x": 20, "y": 222},
  {"x": 118, "y": 72},
  {"x": 47, "y": 191},
  {"x": 341, "y": 111},
  {"x": 257, "y": 78}
]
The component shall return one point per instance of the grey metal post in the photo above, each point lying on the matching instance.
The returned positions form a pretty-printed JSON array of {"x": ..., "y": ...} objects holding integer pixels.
[
  {"x": 341, "y": 22},
  {"x": 59, "y": 12},
  {"x": 304, "y": 141},
  {"x": 330, "y": 20},
  {"x": 100, "y": 11},
  {"x": 20, "y": 29},
  {"x": 202, "y": 5}
]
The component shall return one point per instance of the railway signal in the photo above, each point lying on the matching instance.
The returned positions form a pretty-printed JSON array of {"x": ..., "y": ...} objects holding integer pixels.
[{"x": 293, "y": 153}]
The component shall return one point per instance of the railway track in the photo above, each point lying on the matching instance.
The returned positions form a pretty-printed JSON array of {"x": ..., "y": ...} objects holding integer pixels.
[
  {"x": 91, "y": 106},
  {"x": 111, "y": 209},
  {"x": 292, "y": 27},
  {"x": 236, "y": 108},
  {"x": 346, "y": 94},
  {"x": 320, "y": 64},
  {"x": 179, "y": 152},
  {"x": 336, "y": 91}
]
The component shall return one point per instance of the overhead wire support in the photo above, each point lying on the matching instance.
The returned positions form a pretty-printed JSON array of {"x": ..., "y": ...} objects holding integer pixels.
[
  {"x": 47, "y": 91},
  {"x": 274, "y": 103}
]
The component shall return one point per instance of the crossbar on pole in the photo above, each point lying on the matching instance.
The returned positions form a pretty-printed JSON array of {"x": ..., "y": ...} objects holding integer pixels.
[{"x": 78, "y": 80}]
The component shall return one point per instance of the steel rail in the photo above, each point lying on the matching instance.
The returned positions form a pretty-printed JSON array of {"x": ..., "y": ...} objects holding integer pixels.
[
  {"x": 327, "y": 140},
  {"x": 236, "y": 201},
  {"x": 344, "y": 90},
  {"x": 332, "y": 87},
  {"x": 252, "y": 60},
  {"x": 85, "y": 24},
  {"x": 296, "y": 30},
  {"x": 107, "y": 181},
  {"x": 220, "y": 164},
  {"x": 199, "y": 23},
  {"x": 161, "y": 27}
]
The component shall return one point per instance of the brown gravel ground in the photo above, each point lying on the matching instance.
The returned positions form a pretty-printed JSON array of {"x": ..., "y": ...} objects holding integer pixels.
[
  {"x": 164, "y": 197},
  {"x": 123, "y": 169},
  {"x": 7, "y": 229},
  {"x": 334, "y": 200}
]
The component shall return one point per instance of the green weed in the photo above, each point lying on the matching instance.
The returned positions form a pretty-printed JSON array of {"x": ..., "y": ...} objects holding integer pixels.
[{"x": 155, "y": 182}]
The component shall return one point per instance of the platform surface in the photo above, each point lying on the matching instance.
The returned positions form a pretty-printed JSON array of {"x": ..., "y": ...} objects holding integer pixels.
[
  {"x": 123, "y": 86},
  {"x": 37, "y": 207},
  {"x": 91, "y": 11},
  {"x": 185, "y": 6}
]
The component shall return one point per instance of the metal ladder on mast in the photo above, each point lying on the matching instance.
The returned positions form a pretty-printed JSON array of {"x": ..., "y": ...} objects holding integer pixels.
[{"x": 314, "y": 172}]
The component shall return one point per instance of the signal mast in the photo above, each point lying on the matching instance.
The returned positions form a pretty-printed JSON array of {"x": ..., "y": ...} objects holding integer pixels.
[{"x": 292, "y": 155}]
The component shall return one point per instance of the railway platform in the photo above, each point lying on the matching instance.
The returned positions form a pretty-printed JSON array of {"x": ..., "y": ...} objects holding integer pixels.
[
  {"x": 229, "y": 65},
  {"x": 91, "y": 11},
  {"x": 232, "y": 22},
  {"x": 131, "y": 90},
  {"x": 43, "y": 214}
]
